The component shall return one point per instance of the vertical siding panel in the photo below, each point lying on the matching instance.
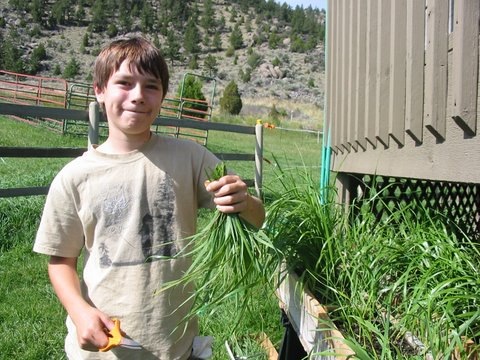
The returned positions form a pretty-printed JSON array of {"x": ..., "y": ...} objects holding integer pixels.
[
  {"x": 361, "y": 29},
  {"x": 337, "y": 57},
  {"x": 329, "y": 72},
  {"x": 397, "y": 64},
  {"x": 465, "y": 64},
  {"x": 332, "y": 69},
  {"x": 383, "y": 72},
  {"x": 344, "y": 73},
  {"x": 414, "y": 71},
  {"x": 351, "y": 82},
  {"x": 371, "y": 71},
  {"x": 436, "y": 60}
]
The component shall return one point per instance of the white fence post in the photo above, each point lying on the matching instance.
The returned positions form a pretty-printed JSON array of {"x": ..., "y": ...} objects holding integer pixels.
[
  {"x": 258, "y": 157},
  {"x": 93, "y": 125}
]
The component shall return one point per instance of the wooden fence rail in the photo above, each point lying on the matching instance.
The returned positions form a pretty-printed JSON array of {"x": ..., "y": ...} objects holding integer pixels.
[{"x": 94, "y": 117}]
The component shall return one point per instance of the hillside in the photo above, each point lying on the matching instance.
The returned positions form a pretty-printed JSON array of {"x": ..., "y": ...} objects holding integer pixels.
[{"x": 277, "y": 61}]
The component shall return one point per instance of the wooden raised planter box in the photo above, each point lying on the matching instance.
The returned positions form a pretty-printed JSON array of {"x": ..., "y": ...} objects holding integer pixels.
[
  {"x": 318, "y": 334},
  {"x": 311, "y": 322}
]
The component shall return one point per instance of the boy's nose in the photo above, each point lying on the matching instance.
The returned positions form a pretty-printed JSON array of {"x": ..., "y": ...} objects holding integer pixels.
[{"x": 137, "y": 94}]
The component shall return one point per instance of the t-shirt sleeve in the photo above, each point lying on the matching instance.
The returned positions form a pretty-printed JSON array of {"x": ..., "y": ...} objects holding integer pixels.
[{"x": 60, "y": 232}]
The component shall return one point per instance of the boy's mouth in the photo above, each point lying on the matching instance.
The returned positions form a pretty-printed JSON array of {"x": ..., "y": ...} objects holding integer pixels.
[{"x": 136, "y": 111}]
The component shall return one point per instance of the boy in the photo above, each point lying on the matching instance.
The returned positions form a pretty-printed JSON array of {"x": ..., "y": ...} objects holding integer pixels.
[{"x": 134, "y": 196}]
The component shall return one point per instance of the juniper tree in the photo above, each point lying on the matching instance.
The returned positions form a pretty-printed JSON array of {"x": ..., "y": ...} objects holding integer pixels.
[{"x": 231, "y": 101}]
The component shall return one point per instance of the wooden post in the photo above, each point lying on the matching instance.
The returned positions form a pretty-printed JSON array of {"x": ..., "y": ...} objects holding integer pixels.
[
  {"x": 258, "y": 157},
  {"x": 94, "y": 119}
]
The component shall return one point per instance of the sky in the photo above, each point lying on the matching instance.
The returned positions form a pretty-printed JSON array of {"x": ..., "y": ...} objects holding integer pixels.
[{"x": 321, "y": 4}]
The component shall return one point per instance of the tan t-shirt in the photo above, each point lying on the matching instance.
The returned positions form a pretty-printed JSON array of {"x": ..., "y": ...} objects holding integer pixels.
[{"x": 123, "y": 210}]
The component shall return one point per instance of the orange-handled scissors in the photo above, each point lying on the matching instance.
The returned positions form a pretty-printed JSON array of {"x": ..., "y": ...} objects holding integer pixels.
[{"x": 116, "y": 338}]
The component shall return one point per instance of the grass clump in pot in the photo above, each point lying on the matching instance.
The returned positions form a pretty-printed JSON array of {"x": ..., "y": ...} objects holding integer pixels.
[{"x": 409, "y": 274}]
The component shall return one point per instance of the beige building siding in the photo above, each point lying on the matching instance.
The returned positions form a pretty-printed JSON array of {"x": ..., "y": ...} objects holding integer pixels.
[{"x": 403, "y": 89}]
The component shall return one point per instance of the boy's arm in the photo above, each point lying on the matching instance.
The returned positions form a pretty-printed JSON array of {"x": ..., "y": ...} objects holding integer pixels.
[
  {"x": 89, "y": 321},
  {"x": 231, "y": 196}
]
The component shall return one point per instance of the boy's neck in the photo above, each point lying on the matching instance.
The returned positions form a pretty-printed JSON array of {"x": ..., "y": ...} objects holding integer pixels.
[{"x": 123, "y": 144}]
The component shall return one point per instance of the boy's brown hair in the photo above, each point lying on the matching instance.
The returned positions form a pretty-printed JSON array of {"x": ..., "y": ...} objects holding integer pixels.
[{"x": 139, "y": 52}]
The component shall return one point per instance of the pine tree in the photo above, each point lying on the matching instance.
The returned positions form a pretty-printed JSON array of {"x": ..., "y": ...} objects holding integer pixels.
[
  {"x": 192, "y": 38},
  {"x": 60, "y": 11},
  {"x": 193, "y": 63},
  {"x": 210, "y": 64},
  {"x": 98, "y": 16},
  {"x": 80, "y": 14},
  {"x": 112, "y": 30},
  {"x": 179, "y": 11},
  {"x": 231, "y": 101},
  {"x": 208, "y": 17},
  {"x": 11, "y": 54},
  {"x": 236, "y": 37},
  {"x": 72, "y": 69},
  {"x": 171, "y": 50},
  {"x": 37, "y": 10},
  {"x": 86, "y": 40},
  {"x": 217, "y": 41},
  {"x": 147, "y": 19}
]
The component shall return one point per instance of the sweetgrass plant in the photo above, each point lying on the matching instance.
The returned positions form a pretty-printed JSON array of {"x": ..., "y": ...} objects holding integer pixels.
[
  {"x": 231, "y": 260},
  {"x": 402, "y": 285}
]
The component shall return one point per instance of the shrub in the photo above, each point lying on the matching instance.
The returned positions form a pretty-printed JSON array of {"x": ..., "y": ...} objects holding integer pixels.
[
  {"x": 56, "y": 70},
  {"x": 72, "y": 69},
  {"x": 246, "y": 75},
  {"x": 254, "y": 60},
  {"x": 231, "y": 101},
  {"x": 274, "y": 115},
  {"x": 112, "y": 30},
  {"x": 193, "y": 63},
  {"x": 192, "y": 89},
  {"x": 230, "y": 52}
]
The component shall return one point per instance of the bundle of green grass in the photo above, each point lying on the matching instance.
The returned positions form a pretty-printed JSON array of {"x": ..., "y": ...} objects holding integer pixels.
[{"x": 231, "y": 260}]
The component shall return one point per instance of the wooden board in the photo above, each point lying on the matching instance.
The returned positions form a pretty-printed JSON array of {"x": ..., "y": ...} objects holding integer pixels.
[{"x": 311, "y": 322}]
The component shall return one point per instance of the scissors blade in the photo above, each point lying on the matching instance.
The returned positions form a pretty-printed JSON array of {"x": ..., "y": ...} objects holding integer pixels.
[{"x": 130, "y": 344}]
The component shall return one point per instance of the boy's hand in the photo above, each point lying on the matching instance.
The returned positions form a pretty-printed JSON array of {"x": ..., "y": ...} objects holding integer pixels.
[
  {"x": 230, "y": 194},
  {"x": 91, "y": 329},
  {"x": 89, "y": 321}
]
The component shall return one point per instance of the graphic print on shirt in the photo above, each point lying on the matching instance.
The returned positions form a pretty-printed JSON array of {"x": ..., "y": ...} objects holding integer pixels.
[
  {"x": 157, "y": 230},
  {"x": 138, "y": 230},
  {"x": 114, "y": 212}
]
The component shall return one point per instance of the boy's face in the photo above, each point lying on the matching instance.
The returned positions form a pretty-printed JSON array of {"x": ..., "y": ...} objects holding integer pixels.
[{"x": 132, "y": 101}]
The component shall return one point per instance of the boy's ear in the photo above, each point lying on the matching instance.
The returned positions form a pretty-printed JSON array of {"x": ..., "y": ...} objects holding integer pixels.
[{"x": 98, "y": 93}]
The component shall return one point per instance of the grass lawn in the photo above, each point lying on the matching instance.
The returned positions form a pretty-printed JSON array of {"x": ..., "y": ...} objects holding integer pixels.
[{"x": 31, "y": 318}]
